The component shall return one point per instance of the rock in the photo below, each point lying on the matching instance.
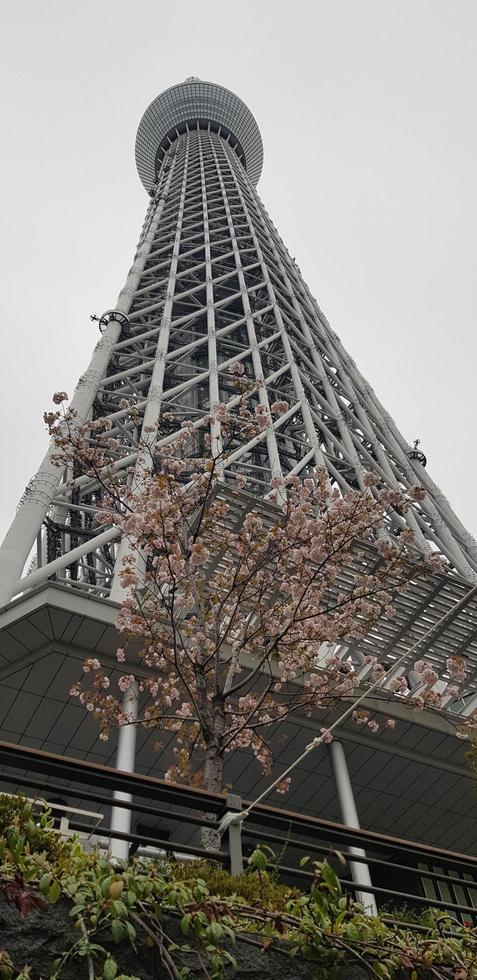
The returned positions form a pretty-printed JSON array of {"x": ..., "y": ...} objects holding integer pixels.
[{"x": 42, "y": 936}]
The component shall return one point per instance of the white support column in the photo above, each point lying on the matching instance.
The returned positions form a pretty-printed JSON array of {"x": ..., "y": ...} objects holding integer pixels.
[
  {"x": 27, "y": 523},
  {"x": 214, "y": 397},
  {"x": 152, "y": 410},
  {"x": 294, "y": 372},
  {"x": 126, "y": 762},
  {"x": 349, "y": 815},
  {"x": 274, "y": 456}
]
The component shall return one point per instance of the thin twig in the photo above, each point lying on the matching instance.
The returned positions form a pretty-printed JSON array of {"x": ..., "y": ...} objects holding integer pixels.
[
  {"x": 158, "y": 941},
  {"x": 88, "y": 957}
]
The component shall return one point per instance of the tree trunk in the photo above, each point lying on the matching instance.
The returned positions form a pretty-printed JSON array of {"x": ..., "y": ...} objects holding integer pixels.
[
  {"x": 213, "y": 768},
  {"x": 213, "y": 778}
]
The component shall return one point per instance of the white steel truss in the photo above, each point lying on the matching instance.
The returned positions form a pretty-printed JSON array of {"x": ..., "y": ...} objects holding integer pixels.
[{"x": 212, "y": 284}]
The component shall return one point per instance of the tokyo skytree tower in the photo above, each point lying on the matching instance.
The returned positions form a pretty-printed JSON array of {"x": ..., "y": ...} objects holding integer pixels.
[{"x": 212, "y": 284}]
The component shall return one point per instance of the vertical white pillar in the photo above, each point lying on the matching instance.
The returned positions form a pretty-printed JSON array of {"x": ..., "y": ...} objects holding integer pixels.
[
  {"x": 30, "y": 515},
  {"x": 349, "y": 815},
  {"x": 125, "y": 760}
]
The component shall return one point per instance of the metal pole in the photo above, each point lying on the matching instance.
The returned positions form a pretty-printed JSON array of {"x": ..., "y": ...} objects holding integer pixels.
[
  {"x": 46, "y": 571},
  {"x": 349, "y": 815},
  {"x": 126, "y": 762},
  {"x": 234, "y": 830}
]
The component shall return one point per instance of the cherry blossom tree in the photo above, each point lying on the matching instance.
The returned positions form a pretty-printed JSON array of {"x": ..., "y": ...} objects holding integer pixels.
[{"x": 235, "y": 608}]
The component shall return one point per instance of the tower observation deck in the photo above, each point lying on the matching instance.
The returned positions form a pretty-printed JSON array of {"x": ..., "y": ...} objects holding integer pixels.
[
  {"x": 212, "y": 285},
  {"x": 196, "y": 104}
]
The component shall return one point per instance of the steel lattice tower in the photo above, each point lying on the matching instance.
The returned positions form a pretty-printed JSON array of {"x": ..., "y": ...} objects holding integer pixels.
[{"x": 212, "y": 284}]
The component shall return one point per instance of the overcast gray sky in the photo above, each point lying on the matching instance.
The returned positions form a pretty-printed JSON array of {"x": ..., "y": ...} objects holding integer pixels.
[{"x": 367, "y": 112}]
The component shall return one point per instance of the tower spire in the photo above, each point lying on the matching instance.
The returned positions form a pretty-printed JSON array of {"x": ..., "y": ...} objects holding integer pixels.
[{"x": 212, "y": 285}]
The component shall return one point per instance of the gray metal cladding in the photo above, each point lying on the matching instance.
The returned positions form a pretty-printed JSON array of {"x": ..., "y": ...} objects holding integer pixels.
[{"x": 185, "y": 104}]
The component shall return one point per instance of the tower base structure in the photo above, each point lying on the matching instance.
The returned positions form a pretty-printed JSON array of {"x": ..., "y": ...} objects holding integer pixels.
[{"x": 411, "y": 782}]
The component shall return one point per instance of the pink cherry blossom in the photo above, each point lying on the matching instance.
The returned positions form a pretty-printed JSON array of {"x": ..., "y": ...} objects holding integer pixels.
[
  {"x": 370, "y": 479},
  {"x": 279, "y": 407},
  {"x": 229, "y": 592},
  {"x": 124, "y": 683},
  {"x": 236, "y": 368}
]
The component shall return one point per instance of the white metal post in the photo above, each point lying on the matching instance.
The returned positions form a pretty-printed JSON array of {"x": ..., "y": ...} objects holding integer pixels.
[
  {"x": 125, "y": 761},
  {"x": 349, "y": 815}
]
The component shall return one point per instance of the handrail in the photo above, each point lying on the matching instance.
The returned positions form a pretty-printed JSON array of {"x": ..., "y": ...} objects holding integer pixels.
[
  {"x": 49, "y": 763},
  {"x": 381, "y": 853},
  {"x": 283, "y": 818}
]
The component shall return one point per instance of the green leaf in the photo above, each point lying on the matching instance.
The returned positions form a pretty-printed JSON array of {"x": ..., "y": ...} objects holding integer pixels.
[
  {"x": 216, "y": 964},
  {"x": 118, "y": 930},
  {"x": 319, "y": 899},
  {"x": 230, "y": 959},
  {"x": 130, "y": 931},
  {"x": 320, "y": 917},
  {"x": 77, "y": 909},
  {"x": 198, "y": 924},
  {"x": 214, "y": 932},
  {"x": 185, "y": 923},
  {"x": 15, "y": 842},
  {"x": 269, "y": 850},
  {"x": 330, "y": 879},
  {"x": 54, "y": 892},
  {"x": 258, "y": 860},
  {"x": 110, "y": 969},
  {"x": 119, "y": 909},
  {"x": 106, "y": 884},
  {"x": 70, "y": 886},
  {"x": 44, "y": 883},
  {"x": 382, "y": 970},
  {"x": 340, "y": 856}
]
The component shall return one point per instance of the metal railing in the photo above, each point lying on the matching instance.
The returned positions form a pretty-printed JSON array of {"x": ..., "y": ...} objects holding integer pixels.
[{"x": 406, "y": 876}]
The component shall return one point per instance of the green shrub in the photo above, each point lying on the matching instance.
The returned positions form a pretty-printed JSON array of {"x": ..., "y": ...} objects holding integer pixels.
[
  {"x": 30, "y": 826},
  {"x": 144, "y": 902},
  {"x": 427, "y": 917},
  {"x": 257, "y": 888}
]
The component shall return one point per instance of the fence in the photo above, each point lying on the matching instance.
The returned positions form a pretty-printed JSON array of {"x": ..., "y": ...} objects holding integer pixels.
[{"x": 171, "y": 818}]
